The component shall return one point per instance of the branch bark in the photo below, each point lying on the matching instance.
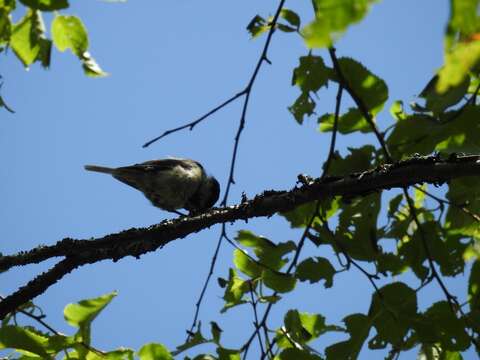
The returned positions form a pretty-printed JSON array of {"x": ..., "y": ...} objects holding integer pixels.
[{"x": 138, "y": 241}]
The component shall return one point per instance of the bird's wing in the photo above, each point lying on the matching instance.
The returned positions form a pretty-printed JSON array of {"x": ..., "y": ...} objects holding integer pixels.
[{"x": 167, "y": 164}]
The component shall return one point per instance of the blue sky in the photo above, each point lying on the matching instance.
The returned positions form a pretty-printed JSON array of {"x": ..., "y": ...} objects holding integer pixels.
[{"x": 170, "y": 62}]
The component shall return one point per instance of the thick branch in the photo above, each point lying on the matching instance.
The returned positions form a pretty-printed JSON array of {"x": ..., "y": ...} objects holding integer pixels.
[{"x": 135, "y": 242}]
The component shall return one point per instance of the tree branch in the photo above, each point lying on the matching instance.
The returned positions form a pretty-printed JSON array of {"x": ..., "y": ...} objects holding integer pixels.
[{"x": 138, "y": 241}]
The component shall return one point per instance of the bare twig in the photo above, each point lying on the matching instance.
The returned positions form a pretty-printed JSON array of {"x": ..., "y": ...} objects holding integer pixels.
[
  {"x": 247, "y": 92},
  {"x": 334, "y": 131},
  {"x": 292, "y": 265},
  {"x": 192, "y": 124},
  {"x": 256, "y": 323},
  {"x": 441, "y": 201},
  {"x": 359, "y": 102}
]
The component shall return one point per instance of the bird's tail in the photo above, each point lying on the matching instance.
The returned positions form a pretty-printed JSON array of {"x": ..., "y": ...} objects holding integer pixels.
[{"x": 101, "y": 169}]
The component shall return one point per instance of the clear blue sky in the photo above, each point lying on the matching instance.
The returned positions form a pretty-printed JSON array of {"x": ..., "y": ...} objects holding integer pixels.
[{"x": 171, "y": 61}]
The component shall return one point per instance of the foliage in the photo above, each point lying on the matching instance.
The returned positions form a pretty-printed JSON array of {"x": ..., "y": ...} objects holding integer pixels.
[
  {"x": 426, "y": 242},
  {"x": 28, "y": 36}
]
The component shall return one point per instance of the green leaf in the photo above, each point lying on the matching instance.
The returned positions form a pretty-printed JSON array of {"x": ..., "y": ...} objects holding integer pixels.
[
  {"x": 228, "y": 354},
  {"x": 412, "y": 251},
  {"x": 296, "y": 354},
  {"x": 415, "y": 134},
  {"x": 90, "y": 66},
  {"x": 216, "y": 332},
  {"x": 440, "y": 325},
  {"x": 332, "y": 18},
  {"x": 235, "y": 290},
  {"x": 370, "y": 88},
  {"x": 463, "y": 17},
  {"x": 357, "y": 228},
  {"x": 301, "y": 216},
  {"x": 257, "y": 26},
  {"x": 16, "y": 337},
  {"x": 316, "y": 269},
  {"x": 311, "y": 74},
  {"x": 439, "y": 102},
  {"x": 460, "y": 219},
  {"x": 82, "y": 314},
  {"x": 349, "y": 122},
  {"x": 46, "y": 5},
  {"x": 392, "y": 314},
  {"x": 390, "y": 262},
  {"x": 474, "y": 286},
  {"x": 25, "y": 46},
  {"x": 195, "y": 339},
  {"x": 68, "y": 32},
  {"x": 462, "y": 50},
  {"x": 269, "y": 254},
  {"x": 153, "y": 351},
  {"x": 359, "y": 159},
  {"x": 435, "y": 352},
  {"x": 279, "y": 282},
  {"x": 304, "y": 105},
  {"x": 291, "y": 16},
  {"x": 396, "y": 110},
  {"x": 246, "y": 265},
  {"x": 301, "y": 328},
  {"x": 358, "y": 327},
  {"x": 38, "y": 33},
  {"x": 5, "y": 25},
  {"x": 458, "y": 63},
  {"x": 394, "y": 204}
]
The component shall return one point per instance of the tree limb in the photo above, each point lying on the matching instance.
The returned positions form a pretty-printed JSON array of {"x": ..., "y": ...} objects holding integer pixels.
[{"x": 138, "y": 241}]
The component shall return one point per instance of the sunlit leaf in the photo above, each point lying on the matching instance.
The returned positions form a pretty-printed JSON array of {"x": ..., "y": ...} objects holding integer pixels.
[
  {"x": 154, "y": 351},
  {"x": 82, "y": 314},
  {"x": 235, "y": 290},
  {"x": 370, "y": 88},
  {"x": 16, "y": 337},
  {"x": 353, "y": 120},
  {"x": 439, "y": 102},
  {"x": 332, "y": 18},
  {"x": 268, "y": 253},
  {"x": 25, "y": 46},
  {"x": 68, "y": 32},
  {"x": 194, "y": 340},
  {"x": 257, "y": 26},
  {"x": 228, "y": 354},
  {"x": 246, "y": 264}
]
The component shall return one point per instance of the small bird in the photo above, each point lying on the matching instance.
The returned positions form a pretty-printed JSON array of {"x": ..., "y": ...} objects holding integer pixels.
[{"x": 169, "y": 184}]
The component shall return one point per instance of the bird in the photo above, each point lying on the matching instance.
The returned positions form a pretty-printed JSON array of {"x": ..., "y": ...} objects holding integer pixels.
[{"x": 170, "y": 184}]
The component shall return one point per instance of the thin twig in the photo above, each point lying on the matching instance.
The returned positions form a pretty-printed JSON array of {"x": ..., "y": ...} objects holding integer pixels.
[
  {"x": 192, "y": 124},
  {"x": 441, "y": 201},
  {"x": 334, "y": 131},
  {"x": 301, "y": 243},
  {"x": 205, "y": 285},
  {"x": 255, "y": 323},
  {"x": 247, "y": 92},
  {"x": 359, "y": 102}
]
